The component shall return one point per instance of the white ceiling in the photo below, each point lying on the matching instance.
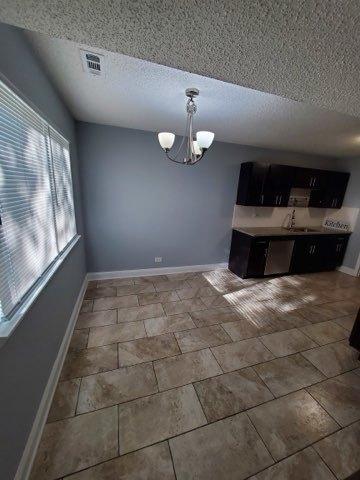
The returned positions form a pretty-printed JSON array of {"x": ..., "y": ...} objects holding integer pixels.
[
  {"x": 138, "y": 94},
  {"x": 305, "y": 50}
]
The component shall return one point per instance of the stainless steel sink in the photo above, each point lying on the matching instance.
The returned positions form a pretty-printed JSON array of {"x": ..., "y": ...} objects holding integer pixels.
[{"x": 303, "y": 229}]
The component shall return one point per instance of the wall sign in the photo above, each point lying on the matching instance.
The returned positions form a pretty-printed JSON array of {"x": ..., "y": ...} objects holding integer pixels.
[{"x": 336, "y": 224}]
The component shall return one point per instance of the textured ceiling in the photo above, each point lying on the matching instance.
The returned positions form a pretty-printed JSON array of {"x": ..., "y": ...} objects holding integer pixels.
[
  {"x": 305, "y": 50},
  {"x": 144, "y": 95}
]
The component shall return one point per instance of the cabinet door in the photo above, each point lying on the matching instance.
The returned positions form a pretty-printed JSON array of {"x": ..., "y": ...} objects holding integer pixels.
[
  {"x": 335, "y": 250},
  {"x": 251, "y": 183},
  {"x": 277, "y": 185},
  {"x": 308, "y": 255},
  {"x": 308, "y": 178},
  {"x": 336, "y": 188},
  {"x": 257, "y": 257}
]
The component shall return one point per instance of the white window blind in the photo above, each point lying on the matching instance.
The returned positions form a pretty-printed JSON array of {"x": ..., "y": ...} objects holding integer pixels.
[{"x": 36, "y": 199}]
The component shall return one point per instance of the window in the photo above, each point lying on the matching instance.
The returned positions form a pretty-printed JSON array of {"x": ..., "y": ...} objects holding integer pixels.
[{"x": 36, "y": 199}]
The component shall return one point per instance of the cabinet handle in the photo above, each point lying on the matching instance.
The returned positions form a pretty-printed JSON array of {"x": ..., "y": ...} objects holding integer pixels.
[
  {"x": 311, "y": 181},
  {"x": 280, "y": 197},
  {"x": 265, "y": 252},
  {"x": 314, "y": 248},
  {"x": 262, "y": 199}
]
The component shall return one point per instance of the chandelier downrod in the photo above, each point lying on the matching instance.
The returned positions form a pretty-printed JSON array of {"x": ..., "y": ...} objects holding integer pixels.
[{"x": 196, "y": 146}]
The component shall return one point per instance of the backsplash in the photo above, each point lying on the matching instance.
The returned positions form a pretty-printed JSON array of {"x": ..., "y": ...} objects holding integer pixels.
[{"x": 305, "y": 217}]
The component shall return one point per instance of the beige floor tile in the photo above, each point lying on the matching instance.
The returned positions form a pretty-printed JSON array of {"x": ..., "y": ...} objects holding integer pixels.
[
  {"x": 184, "y": 306},
  {"x": 64, "y": 401},
  {"x": 168, "y": 285},
  {"x": 89, "y": 361},
  {"x": 357, "y": 371},
  {"x": 111, "y": 303},
  {"x": 325, "y": 332},
  {"x": 344, "y": 307},
  {"x": 79, "y": 340},
  {"x": 340, "y": 397},
  {"x": 196, "y": 292},
  {"x": 121, "y": 332},
  {"x": 168, "y": 324},
  {"x": 182, "y": 275},
  {"x": 229, "y": 449},
  {"x": 199, "y": 338},
  {"x": 334, "y": 358},
  {"x": 287, "y": 374},
  {"x": 234, "y": 356},
  {"x": 287, "y": 342},
  {"x": 76, "y": 443},
  {"x": 151, "y": 463},
  {"x": 147, "y": 349},
  {"x": 319, "y": 313},
  {"x": 347, "y": 321},
  {"x": 294, "y": 318},
  {"x": 216, "y": 301},
  {"x": 117, "y": 386},
  {"x": 100, "y": 292},
  {"x": 291, "y": 423},
  {"x": 152, "y": 279},
  {"x": 152, "y": 419},
  {"x": 231, "y": 393},
  {"x": 116, "y": 282},
  {"x": 213, "y": 316},
  {"x": 140, "y": 313},
  {"x": 86, "y": 306},
  {"x": 135, "y": 289},
  {"x": 96, "y": 319},
  {"x": 186, "y": 368},
  {"x": 241, "y": 329},
  {"x": 197, "y": 282},
  {"x": 160, "y": 297},
  {"x": 341, "y": 451},
  {"x": 305, "y": 465}
]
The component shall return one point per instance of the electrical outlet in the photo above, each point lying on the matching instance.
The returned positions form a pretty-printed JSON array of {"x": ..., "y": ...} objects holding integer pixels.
[{"x": 158, "y": 259}]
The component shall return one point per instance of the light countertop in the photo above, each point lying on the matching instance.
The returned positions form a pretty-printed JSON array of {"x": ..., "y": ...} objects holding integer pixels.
[{"x": 279, "y": 231}]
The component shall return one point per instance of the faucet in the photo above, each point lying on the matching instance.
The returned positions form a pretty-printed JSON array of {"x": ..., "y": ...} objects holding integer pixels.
[{"x": 290, "y": 219}]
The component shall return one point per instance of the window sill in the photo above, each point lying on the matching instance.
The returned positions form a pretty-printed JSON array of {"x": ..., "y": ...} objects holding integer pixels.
[{"x": 8, "y": 326}]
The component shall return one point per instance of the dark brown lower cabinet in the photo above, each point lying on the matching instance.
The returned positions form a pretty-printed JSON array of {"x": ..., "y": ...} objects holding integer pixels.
[{"x": 311, "y": 253}]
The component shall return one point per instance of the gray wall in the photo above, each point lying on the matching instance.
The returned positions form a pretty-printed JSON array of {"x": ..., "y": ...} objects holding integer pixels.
[
  {"x": 352, "y": 199},
  {"x": 138, "y": 205},
  {"x": 27, "y": 358}
]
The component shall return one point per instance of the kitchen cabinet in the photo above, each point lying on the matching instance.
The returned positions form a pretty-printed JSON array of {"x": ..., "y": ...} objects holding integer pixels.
[
  {"x": 248, "y": 255},
  {"x": 270, "y": 185},
  {"x": 308, "y": 255},
  {"x": 331, "y": 192},
  {"x": 264, "y": 185},
  {"x": 251, "y": 256},
  {"x": 308, "y": 178}
]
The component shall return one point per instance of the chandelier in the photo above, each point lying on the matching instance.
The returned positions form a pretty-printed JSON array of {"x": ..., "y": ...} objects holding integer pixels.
[{"x": 196, "y": 145}]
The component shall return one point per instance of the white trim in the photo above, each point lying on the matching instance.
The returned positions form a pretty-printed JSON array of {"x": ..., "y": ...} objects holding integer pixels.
[
  {"x": 348, "y": 270},
  {"x": 144, "y": 272},
  {"x": 8, "y": 326},
  {"x": 28, "y": 456}
]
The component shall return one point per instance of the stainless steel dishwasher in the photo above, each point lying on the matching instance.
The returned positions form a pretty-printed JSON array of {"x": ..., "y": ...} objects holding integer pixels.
[{"x": 278, "y": 257}]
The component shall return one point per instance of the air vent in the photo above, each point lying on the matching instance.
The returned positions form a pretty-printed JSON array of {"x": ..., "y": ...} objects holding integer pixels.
[{"x": 93, "y": 63}]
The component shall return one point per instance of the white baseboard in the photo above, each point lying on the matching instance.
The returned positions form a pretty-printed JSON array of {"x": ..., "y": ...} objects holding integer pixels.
[
  {"x": 145, "y": 272},
  {"x": 348, "y": 270},
  {"x": 28, "y": 456}
]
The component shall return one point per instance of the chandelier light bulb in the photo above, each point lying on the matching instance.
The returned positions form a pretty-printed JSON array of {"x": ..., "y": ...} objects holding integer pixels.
[
  {"x": 196, "y": 149},
  {"x": 166, "y": 140},
  {"x": 204, "y": 139}
]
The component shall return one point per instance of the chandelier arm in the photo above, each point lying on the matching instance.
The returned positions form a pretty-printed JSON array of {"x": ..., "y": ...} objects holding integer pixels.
[{"x": 173, "y": 159}]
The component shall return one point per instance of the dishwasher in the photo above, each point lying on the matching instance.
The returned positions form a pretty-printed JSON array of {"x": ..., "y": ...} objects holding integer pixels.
[{"x": 278, "y": 258}]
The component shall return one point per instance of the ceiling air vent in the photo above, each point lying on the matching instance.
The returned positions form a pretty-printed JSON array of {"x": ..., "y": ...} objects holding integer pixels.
[{"x": 93, "y": 63}]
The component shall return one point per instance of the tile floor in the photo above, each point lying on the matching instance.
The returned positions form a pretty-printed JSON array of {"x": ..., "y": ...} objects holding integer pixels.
[{"x": 207, "y": 376}]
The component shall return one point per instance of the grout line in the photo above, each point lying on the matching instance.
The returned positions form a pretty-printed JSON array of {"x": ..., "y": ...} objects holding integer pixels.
[
  {"x": 322, "y": 407},
  {"x": 172, "y": 458},
  {"x": 263, "y": 441},
  {"x": 323, "y": 460}
]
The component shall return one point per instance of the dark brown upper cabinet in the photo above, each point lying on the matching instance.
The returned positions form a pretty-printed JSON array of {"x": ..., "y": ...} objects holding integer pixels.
[
  {"x": 264, "y": 185},
  {"x": 331, "y": 191},
  {"x": 270, "y": 185}
]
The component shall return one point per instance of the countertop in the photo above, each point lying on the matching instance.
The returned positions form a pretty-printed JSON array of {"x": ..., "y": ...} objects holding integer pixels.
[{"x": 279, "y": 231}]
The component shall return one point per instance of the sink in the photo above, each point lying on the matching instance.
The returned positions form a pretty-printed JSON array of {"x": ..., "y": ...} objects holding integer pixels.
[{"x": 303, "y": 229}]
